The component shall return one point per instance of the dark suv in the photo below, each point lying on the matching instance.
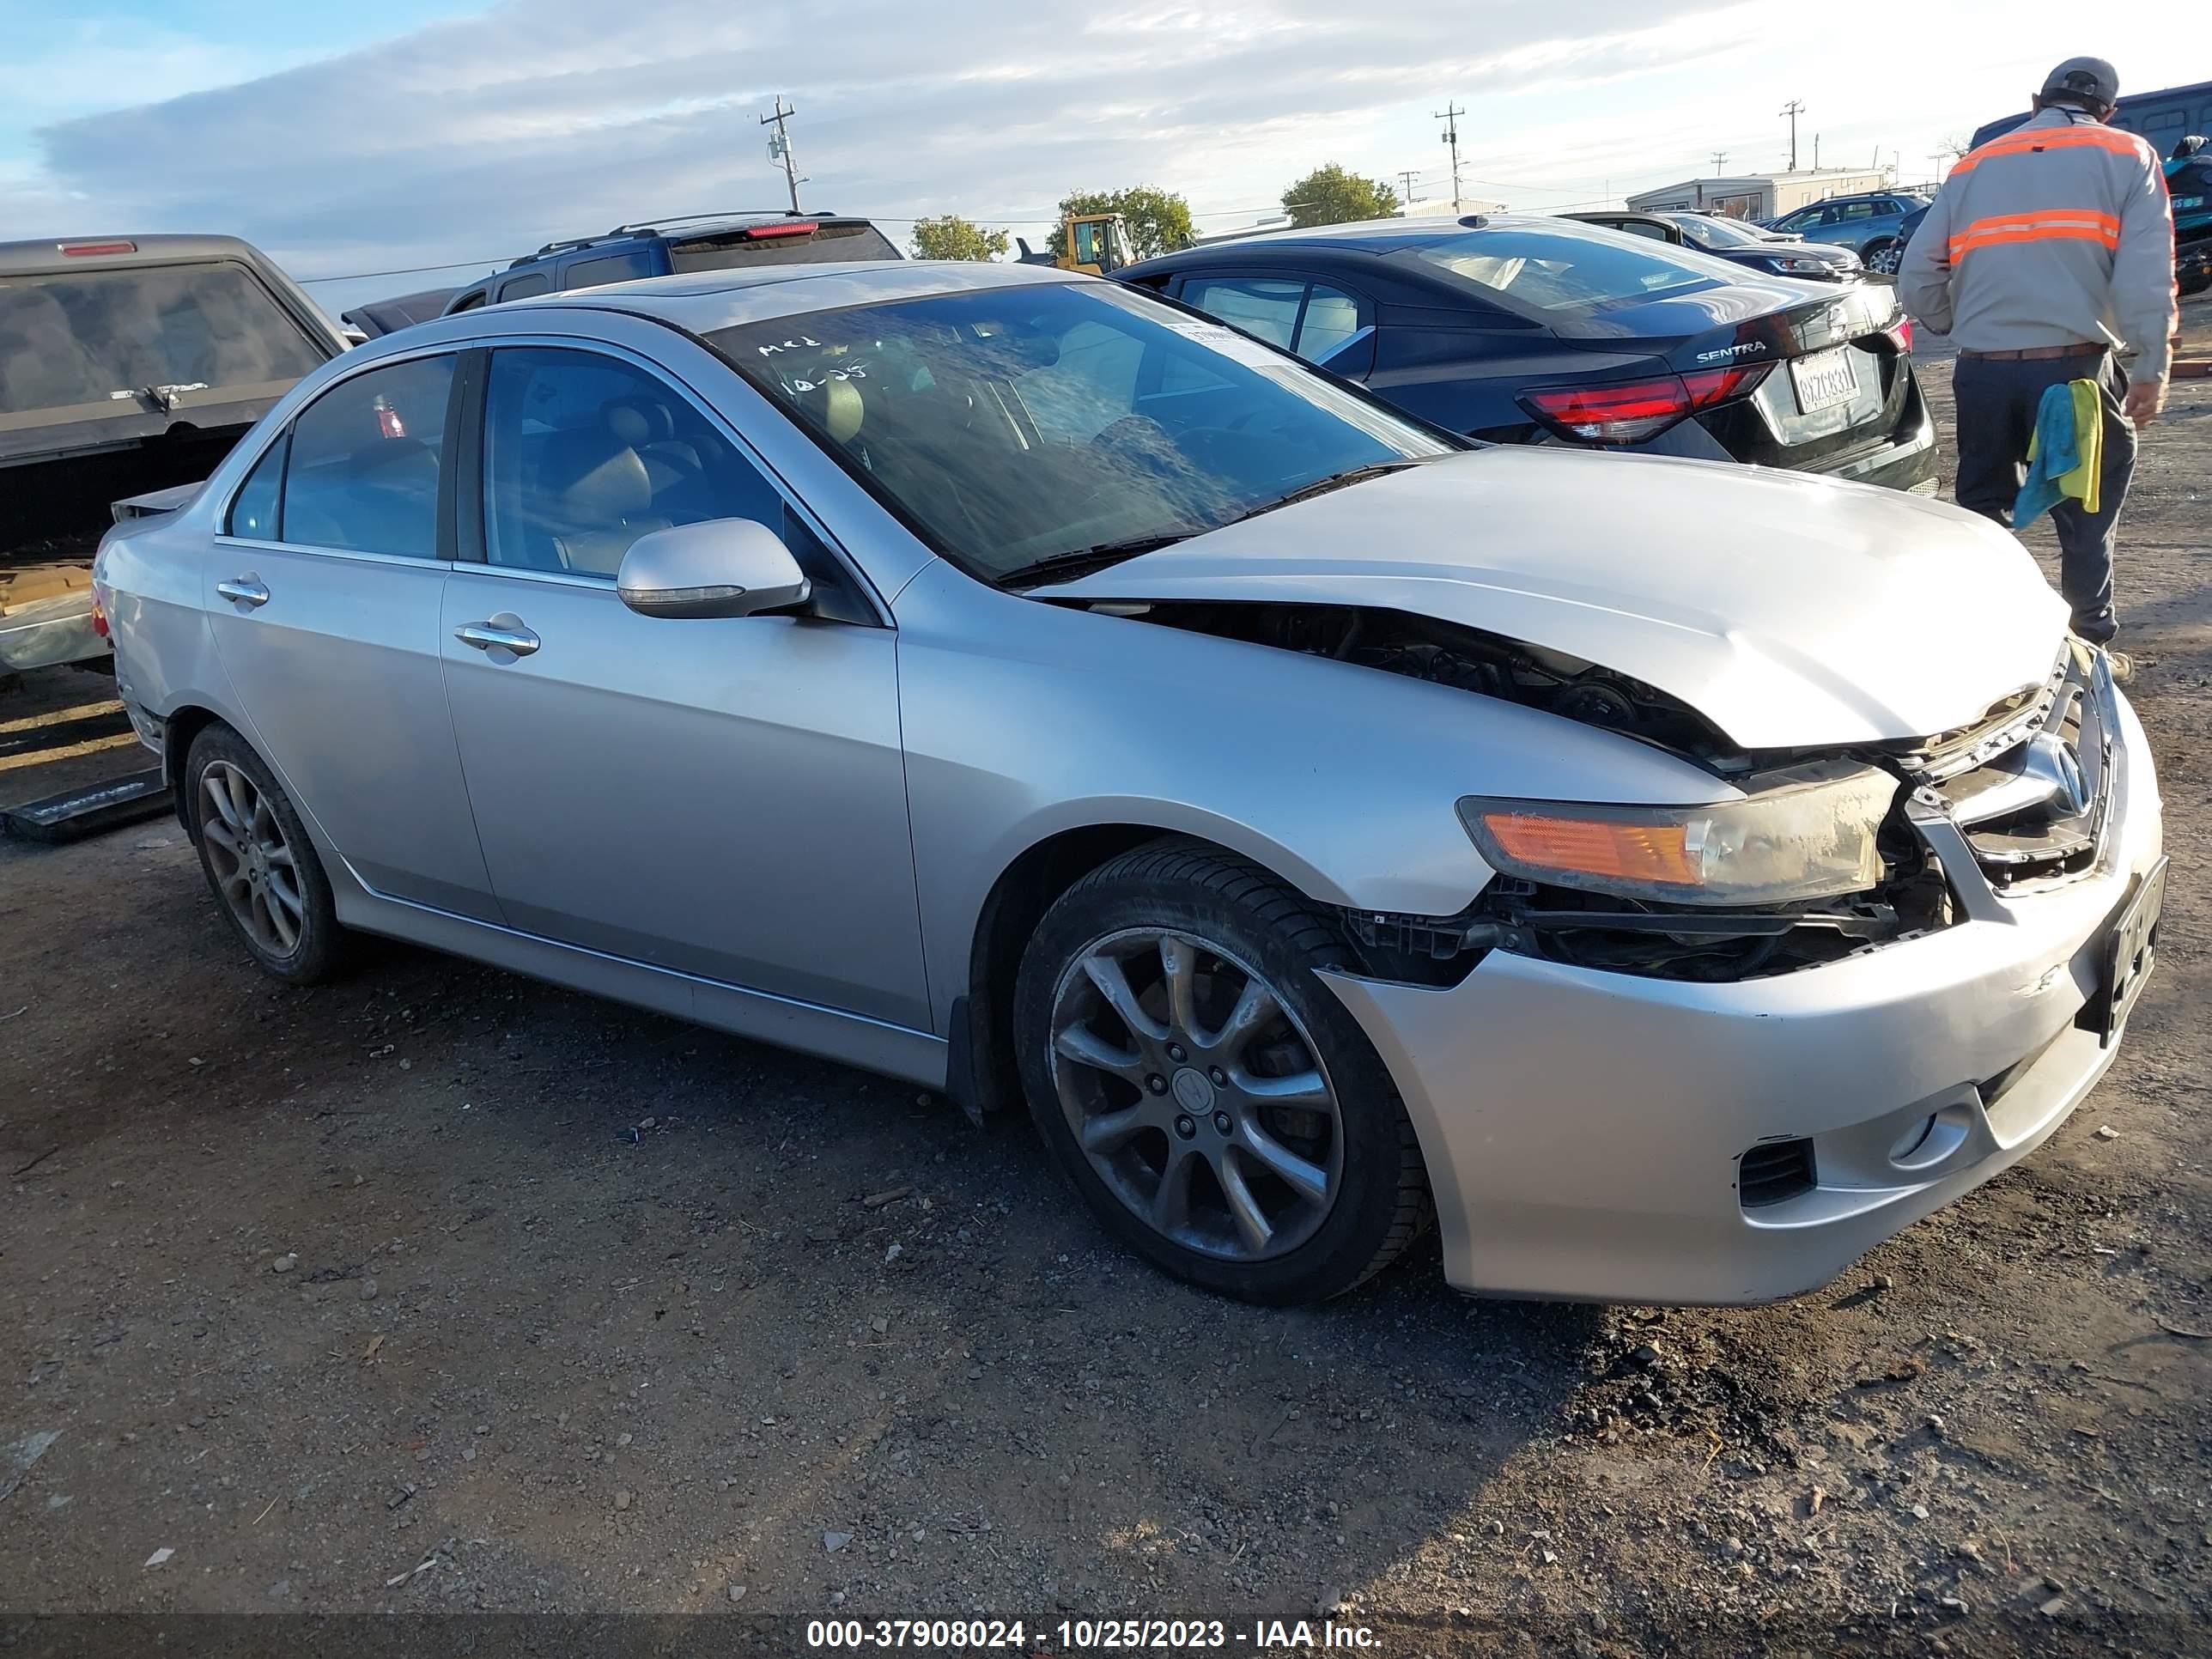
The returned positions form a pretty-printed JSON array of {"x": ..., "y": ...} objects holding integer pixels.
[
  {"x": 722, "y": 241},
  {"x": 1866, "y": 224}
]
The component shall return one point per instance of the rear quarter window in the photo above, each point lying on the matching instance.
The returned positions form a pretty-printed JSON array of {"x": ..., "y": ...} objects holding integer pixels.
[{"x": 1567, "y": 270}]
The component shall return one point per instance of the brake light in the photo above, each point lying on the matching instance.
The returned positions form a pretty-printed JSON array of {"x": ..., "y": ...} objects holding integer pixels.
[
  {"x": 783, "y": 227},
  {"x": 1636, "y": 410},
  {"x": 1902, "y": 333},
  {"x": 99, "y": 609},
  {"x": 83, "y": 250},
  {"x": 1709, "y": 386}
]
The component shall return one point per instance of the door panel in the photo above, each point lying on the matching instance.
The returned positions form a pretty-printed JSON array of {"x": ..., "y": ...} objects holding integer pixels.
[
  {"x": 334, "y": 654},
  {"x": 723, "y": 798}
]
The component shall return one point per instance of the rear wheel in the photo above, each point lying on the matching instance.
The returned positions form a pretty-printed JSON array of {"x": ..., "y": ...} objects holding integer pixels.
[
  {"x": 259, "y": 860},
  {"x": 1215, "y": 1104},
  {"x": 1884, "y": 258}
]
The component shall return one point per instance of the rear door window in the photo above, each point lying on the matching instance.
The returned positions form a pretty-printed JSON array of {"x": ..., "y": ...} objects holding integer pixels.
[
  {"x": 1571, "y": 268},
  {"x": 1265, "y": 306},
  {"x": 365, "y": 462},
  {"x": 79, "y": 337},
  {"x": 1331, "y": 318}
]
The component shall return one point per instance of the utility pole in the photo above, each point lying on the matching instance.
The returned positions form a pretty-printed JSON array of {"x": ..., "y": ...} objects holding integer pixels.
[
  {"x": 1450, "y": 115},
  {"x": 1816, "y": 152},
  {"x": 1793, "y": 109},
  {"x": 779, "y": 148},
  {"x": 1406, "y": 177},
  {"x": 1720, "y": 160}
]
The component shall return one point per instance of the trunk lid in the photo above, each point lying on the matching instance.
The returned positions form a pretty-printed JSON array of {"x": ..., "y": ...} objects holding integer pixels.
[{"x": 1791, "y": 610}]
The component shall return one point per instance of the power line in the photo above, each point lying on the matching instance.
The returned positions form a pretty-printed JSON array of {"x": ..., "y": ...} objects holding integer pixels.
[{"x": 876, "y": 218}]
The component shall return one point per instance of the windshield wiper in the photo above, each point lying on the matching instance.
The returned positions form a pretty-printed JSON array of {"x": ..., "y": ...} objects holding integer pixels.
[
  {"x": 1335, "y": 481},
  {"x": 1082, "y": 561}
]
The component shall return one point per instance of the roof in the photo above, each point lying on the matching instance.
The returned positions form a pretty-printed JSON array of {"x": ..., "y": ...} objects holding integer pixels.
[
  {"x": 45, "y": 253},
  {"x": 701, "y": 301}
]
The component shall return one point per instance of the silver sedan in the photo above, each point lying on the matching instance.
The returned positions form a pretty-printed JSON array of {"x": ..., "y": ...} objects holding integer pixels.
[{"x": 1668, "y": 879}]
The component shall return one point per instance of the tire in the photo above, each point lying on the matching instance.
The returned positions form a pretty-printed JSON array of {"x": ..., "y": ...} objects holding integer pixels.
[
  {"x": 1329, "y": 1183},
  {"x": 1884, "y": 258},
  {"x": 249, "y": 835}
]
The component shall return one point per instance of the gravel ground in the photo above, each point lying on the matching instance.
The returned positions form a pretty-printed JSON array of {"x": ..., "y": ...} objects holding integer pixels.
[{"x": 439, "y": 1290}]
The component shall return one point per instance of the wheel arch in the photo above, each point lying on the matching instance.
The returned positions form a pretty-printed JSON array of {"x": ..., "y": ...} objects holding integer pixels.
[
  {"x": 183, "y": 724},
  {"x": 984, "y": 1076}
]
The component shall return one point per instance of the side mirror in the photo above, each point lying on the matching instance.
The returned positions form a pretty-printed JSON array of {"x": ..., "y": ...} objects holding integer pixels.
[{"x": 722, "y": 567}]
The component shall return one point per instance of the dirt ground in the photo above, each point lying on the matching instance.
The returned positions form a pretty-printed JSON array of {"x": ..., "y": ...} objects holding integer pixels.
[{"x": 438, "y": 1289}]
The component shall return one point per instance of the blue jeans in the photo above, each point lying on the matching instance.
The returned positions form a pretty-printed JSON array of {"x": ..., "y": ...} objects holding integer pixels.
[{"x": 1997, "y": 398}]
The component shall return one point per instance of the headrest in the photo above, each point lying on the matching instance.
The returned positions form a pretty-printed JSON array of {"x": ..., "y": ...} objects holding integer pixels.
[
  {"x": 596, "y": 479},
  {"x": 641, "y": 421}
]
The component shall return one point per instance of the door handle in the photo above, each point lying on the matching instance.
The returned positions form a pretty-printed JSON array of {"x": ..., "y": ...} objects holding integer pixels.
[
  {"x": 245, "y": 589},
  {"x": 502, "y": 633}
]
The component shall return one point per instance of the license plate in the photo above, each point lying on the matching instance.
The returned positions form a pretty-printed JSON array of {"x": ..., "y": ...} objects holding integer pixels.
[
  {"x": 1824, "y": 378},
  {"x": 2130, "y": 955}
]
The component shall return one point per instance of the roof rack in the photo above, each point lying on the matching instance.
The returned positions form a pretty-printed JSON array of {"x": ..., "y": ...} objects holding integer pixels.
[{"x": 725, "y": 212}]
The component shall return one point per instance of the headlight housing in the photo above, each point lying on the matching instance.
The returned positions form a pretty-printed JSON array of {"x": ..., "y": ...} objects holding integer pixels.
[
  {"x": 1800, "y": 832},
  {"x": 1793, "y": 263}
]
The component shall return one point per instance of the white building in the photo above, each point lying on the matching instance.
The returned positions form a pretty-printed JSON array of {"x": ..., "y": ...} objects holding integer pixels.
[{"x": 1763, "y": 195}]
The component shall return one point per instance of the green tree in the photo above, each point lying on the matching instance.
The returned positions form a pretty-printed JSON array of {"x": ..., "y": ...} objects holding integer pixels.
[
  {"x": 951, "y": 237},
  {"x": 1330, "y": 196},
  {"x": 1157, "y": 220}
]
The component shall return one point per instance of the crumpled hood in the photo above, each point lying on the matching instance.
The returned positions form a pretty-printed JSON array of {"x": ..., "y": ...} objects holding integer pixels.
[{"x": 1792, "y": 611}]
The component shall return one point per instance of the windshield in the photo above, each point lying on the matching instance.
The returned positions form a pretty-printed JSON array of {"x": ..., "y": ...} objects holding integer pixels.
[
  {"x": 77, "y": 338},
  {"x": 1567, "y": 267},
  {"x": 1720, "y": 233},
  {"x": 1012, "y": 425}
]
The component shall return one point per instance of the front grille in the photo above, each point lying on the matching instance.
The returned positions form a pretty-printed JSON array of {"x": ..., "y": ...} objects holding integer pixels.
[
  {"x": 1774, "y": 1172},
  {"x": 2027, "y": 786}
]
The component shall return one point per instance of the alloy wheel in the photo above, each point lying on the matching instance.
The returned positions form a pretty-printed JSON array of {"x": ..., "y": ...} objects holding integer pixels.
[
  {"x": 1195, "y": 1094},
  {"x": 251, "y": 860}
]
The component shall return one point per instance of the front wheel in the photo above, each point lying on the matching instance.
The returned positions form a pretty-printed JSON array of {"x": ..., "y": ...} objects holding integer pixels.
[
  {"x": 1216, "y": 1105},
  {"x": 1884, "y": 258},
  {"x": 259, "y": 863}
]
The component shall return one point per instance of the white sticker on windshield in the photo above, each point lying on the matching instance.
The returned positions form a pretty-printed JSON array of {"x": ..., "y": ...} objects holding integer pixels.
[{"x": 1229, "y": 342}]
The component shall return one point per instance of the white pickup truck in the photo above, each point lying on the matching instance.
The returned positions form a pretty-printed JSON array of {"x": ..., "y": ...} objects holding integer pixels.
[{"x": 129, "y": 365}]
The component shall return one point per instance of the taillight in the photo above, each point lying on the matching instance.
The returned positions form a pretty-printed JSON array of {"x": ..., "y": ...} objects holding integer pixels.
[
  {"x": 783, "y": 227},
  {"x": 1901, "y": 331},
  {"x": 99, "y": 609},
  {"x": 1632, "y": 411}
]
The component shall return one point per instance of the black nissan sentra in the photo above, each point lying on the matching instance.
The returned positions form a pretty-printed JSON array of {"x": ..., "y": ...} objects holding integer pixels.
[{"x": 1527, "y": 329}]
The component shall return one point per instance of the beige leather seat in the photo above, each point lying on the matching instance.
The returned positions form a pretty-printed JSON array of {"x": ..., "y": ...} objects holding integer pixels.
[{"x": 598, "y": 499}]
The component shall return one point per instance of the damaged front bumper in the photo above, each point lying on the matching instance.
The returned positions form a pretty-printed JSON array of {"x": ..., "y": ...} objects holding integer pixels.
[{"x": 1597, "y": 1135}]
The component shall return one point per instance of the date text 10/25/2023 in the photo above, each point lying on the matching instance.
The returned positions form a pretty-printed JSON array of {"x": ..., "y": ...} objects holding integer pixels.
[{"x": 1089, "y": 1635}]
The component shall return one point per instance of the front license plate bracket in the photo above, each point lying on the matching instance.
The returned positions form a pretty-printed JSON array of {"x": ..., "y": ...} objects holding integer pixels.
[{"x": 2130, "y": 953}]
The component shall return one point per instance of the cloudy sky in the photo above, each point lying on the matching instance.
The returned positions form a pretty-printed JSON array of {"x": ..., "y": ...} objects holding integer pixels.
[{"x": 348, "y": 137}]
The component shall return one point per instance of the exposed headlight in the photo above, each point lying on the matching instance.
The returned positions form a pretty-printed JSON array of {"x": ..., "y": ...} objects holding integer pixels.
[
  {"x": 1792, "y": 265},
  {"x": 1800, "y": 832}
]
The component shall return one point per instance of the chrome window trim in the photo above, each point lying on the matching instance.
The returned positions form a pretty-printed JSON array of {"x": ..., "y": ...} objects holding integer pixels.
[
  {"x": 1365, "y": 331},
  {"x": 357, "y": 555}
]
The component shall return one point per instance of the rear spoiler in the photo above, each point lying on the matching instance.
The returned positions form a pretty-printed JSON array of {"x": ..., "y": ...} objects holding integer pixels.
[{"x": 155, "y": 502}]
